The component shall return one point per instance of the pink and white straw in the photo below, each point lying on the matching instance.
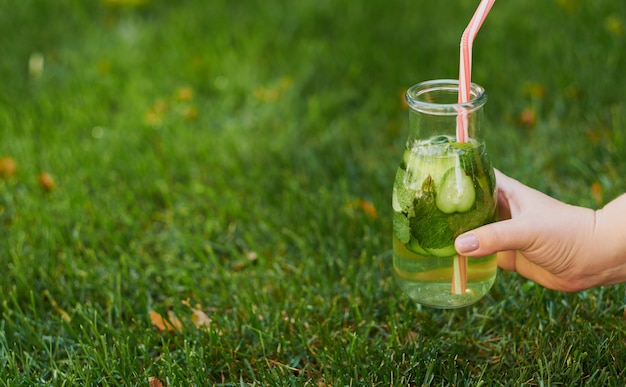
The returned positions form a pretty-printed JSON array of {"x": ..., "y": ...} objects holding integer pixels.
[
  {"x": 459, "y": 280},
  {"x": 465, "y": 65}
]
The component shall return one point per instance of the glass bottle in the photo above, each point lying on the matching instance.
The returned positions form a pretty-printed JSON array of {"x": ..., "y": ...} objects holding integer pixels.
[{"x": 444, "y": 186}]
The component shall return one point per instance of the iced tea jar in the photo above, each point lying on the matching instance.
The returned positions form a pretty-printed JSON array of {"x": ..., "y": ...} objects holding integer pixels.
[{"x": 443, "y": 187}]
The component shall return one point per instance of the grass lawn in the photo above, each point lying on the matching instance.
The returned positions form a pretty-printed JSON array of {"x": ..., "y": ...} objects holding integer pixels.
[{"x": 202, "y": 190}]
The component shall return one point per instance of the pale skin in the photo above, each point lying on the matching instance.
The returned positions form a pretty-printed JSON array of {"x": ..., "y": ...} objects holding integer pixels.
[{"x": 557, "y": 245}]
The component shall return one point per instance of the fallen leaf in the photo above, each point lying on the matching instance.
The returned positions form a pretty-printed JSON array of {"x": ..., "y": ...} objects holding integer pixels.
[
  {"x": 596, "y": 193},
  {"x": 155, "y": 114},
  {"x": 189, "y": 113},
  {"x": 369, "y": 209},
  {"x": 46, "y": 181},
  {"x": 528, "y": 118},
  {"x": 7, "y": 167},
  {"x": 200, "y": 319},
  {"x": 171, "y": 324},
  {"x": 184, "y": 94},
  {"x": 154, "y": 382}
]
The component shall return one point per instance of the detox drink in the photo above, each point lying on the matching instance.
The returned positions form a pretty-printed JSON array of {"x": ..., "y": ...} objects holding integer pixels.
[{"x": 442, "y": 189}]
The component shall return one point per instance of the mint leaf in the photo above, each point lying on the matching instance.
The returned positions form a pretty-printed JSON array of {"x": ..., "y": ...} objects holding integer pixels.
[
  {"x": 429, "y": 225},
  {"x": 401, "y": 227},
  {"x": 404, "y": 195}
]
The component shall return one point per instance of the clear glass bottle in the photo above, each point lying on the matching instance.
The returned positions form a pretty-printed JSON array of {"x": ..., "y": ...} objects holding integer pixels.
[{"x": 443, "y": 187}]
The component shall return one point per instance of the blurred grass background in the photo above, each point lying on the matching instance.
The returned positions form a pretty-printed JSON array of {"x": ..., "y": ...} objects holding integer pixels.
[{"x": 198, "y": 193}]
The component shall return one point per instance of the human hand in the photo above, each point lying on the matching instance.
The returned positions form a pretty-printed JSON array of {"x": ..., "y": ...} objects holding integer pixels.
[{"x": 559, "y": 246}]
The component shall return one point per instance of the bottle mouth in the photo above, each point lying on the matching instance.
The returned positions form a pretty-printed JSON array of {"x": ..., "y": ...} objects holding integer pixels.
[{"x": 440, "y": 97}]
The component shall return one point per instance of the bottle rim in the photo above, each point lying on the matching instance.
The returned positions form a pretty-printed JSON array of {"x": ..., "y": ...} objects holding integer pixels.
[{"x": 419, "y": 97}]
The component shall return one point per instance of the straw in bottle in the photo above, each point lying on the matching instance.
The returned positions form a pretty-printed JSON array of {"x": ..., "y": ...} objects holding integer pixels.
[{"x": 459, "y": 280}]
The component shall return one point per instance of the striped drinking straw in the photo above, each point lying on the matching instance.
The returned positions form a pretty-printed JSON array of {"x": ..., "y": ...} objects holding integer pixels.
[{"x": 459, "y": 280}]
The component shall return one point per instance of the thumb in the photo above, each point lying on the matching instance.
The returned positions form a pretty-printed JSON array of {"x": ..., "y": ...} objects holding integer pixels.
[{"x": 505, "y": 235}]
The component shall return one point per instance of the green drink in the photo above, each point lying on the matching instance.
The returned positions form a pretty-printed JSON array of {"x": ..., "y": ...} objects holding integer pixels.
[{"x": 442, "y": 189}]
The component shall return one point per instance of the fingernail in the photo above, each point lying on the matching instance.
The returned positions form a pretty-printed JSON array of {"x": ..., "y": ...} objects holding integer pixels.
[{"x": 466, "y": 243}]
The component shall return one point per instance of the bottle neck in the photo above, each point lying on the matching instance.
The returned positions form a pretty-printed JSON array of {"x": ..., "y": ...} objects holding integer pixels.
[
  {"x": 435, "y": 111},
  {"x": 423, "y": 125}
]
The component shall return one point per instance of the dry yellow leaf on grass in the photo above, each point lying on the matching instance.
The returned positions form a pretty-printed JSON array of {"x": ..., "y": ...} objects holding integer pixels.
[
  {"x": 154, "y": 382},
  {"x": 46, "y": 181},
  {"x": 596, "y": 193},
  {"x": 8, "y": 166},
  {"x": 200, "y": 319},
  {"x": 367, "y": 207},
  {"x": 171, "y": 324}
]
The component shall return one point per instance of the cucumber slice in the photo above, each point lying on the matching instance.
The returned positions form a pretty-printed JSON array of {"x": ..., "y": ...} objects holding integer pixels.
[
  {"x": 406, "y": 156},
  {"x": 415, "y": 247},
  {"x": 456, "y": 192},
  {"x": 442, "y": 252},
  {"x": 395, "y": 203},
  {"x": 439, "y": 167},
  {"x": 442, "y": 139},
  {"x": 420, "y": 165}
]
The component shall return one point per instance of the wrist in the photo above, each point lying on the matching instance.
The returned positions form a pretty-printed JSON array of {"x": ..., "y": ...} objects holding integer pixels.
[{"x": 608, "y": 244}]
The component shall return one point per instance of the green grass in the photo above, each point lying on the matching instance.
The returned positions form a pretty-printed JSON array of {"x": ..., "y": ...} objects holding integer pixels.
[{"x": 211, "y": 158}]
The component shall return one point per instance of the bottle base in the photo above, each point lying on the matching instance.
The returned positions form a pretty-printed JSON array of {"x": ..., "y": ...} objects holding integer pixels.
[{"x": 438, "y": 295}]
